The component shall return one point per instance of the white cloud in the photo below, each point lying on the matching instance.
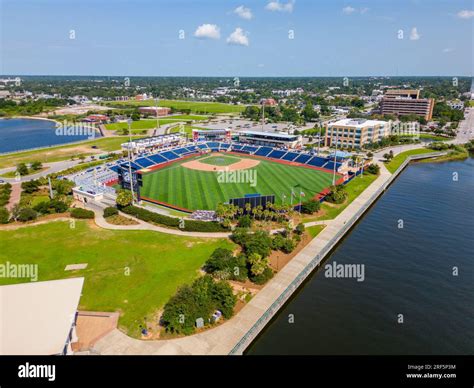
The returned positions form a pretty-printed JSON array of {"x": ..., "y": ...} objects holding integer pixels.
[
  {"x": 348, "y": 10},
  {"x": 465, "y": 14},
  {"x": 275, "y": 5},
  {"x": 414, "y": 35},
  {"x": 448, "y": 50},
  {"x": 238, "y": 37},
  {"x": 208, "y": 31},
  {"x": 244, "y": 13}
]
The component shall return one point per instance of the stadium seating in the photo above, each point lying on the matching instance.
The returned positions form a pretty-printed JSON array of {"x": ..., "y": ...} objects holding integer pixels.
[
  {"x": 157, "y": 158},
  {"x": 250, "y": 149},
  {"x": 276, "y": 154},
  {"x": 316, "y": 161},
  {"x": 290, "y": 156},
  {"x": 169, "y": 155},
  {"x": 303, "y": 158},
  {"x": 145, "y": 162},
  {"x": 263, "y": 151}
]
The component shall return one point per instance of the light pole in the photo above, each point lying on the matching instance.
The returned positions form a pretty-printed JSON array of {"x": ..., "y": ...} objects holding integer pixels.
[
  {"x": 335, "y": 153},
  {"x": 319, "y": 139},
  {"x": 129, "y": 122},
  {"x": 157, "y": 119}
]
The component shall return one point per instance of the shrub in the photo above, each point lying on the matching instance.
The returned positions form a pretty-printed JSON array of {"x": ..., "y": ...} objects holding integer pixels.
[
  {"x": 49, "y": 207},
  {"x": 110, "y": 211},
  {"x": 265, "y": 276},
  {"x": 337, "y": 195},
  {"x": 277, "y": 242},
  {"x": 30, "y": 186},
  {"x": 288, "y": 245},
  {"x": 299, "y": 229},
  {"x": 172, "y": 222},
  {"x": 27, "y": 214},
  {"x": 245, "y": 221},
  {"x": 4, "y": 216},
  {"x": 82, "y": 213},
  {"x": 373, "y": 169},
  {"x": 310, "y": 207}
]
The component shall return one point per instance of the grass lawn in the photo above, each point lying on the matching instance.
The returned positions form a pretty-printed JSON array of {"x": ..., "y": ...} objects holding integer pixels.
[
  {"x": 434, "y": 137},
  {"x": 151, "y": 123},
  {"x": 396, "y": 162},
  {"x": 12, "y": 174},
  {"x": 192, "y": 189},
  {"x": 354, "y": 188},
  {"x": 158, "y": 264},
  {"x": 194, "y": 106},
  {"x": 55, "y": 154},
  {"x": 224, "y": 160},
  {"x": 315, "y": 230}
]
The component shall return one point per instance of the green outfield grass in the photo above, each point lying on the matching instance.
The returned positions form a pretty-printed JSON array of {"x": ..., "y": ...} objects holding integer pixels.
[
  {"x": 194, "y": 106},
  {"x": 132, "y": 272},
  {"x": 192, "y": 189}
]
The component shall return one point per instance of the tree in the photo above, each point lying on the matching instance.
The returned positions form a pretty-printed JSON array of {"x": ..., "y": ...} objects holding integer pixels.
[
  {"x": 124, "y": 198},
  {"x": 257, "y": 263},
  {"x": 30, "y": 187},
  {"x": 22, "y": 169},
  {"x": 36, "y": 165},
  {"x": 310, "y": 207},
  {"x": 373, "y": 169}
]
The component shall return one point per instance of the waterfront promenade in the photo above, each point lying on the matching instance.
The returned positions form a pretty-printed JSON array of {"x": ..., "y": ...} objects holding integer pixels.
[{"x": 233, "y": 336}]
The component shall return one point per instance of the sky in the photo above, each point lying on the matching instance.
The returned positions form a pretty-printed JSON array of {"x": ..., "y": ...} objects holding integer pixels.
[{"x": 236, "y": 38}]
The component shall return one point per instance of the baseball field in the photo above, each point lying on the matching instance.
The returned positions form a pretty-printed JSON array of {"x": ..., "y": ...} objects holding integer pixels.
[{"x": 205, "y": 181}]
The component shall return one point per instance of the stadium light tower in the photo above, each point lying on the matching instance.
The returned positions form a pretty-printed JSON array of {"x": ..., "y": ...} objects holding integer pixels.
[
  {"x": 157, "y": 117},
  {"x": 129, "y": 122},
  {"x": 335, "y": 153}
]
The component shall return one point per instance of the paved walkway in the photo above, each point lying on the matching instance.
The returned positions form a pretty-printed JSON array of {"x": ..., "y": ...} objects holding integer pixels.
[
  {"x": 15, "y": 196},
  {"x": 221, "y": 339}
]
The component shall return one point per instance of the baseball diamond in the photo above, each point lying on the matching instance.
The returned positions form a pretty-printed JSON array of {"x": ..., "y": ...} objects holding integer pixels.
[{"x": 185, "y": 185}]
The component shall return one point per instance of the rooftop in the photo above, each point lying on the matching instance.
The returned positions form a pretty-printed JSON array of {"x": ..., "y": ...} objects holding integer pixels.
[
  {"x": 37, "y": 316},
  {"x": 358, "y": 122}
]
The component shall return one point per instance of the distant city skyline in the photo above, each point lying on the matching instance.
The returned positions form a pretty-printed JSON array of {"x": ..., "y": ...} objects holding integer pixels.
[{"x": 277, "y": 38}]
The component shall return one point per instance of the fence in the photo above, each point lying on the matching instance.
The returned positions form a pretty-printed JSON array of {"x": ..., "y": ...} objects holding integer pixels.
[{"x": 298, "y": 280}]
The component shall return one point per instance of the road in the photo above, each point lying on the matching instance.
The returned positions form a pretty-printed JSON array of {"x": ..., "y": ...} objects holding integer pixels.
[{"x": 466, "y": 128}]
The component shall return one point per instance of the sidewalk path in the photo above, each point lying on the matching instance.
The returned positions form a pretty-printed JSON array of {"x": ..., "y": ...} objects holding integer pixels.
[{"x": 15, "y": 196}]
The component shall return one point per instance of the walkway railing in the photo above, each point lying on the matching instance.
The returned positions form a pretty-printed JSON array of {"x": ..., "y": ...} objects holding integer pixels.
[{"x": 248, "y": 337}]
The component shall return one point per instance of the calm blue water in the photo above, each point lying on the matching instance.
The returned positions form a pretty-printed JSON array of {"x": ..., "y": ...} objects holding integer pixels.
[
  {"x": 21, "y": 134},
  {"x": 407, "y": 271}
]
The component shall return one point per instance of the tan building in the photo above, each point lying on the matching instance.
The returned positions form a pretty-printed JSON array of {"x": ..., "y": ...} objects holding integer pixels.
[
  {"x": 406, "y": 102},
  {"x": 355, "y": 132},
  {"x": 155, "y": 110}
]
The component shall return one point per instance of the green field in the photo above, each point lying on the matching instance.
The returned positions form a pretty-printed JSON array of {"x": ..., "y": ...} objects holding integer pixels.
[
  {"x": 158, "y": 264},
  {"x": 192, "y": 189},
  {"x": 396, "y": 162},
  {"x": 194, "y": 106},
  {"x": 58, "y": 153},
  {"x": 151, "y": 123}
]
